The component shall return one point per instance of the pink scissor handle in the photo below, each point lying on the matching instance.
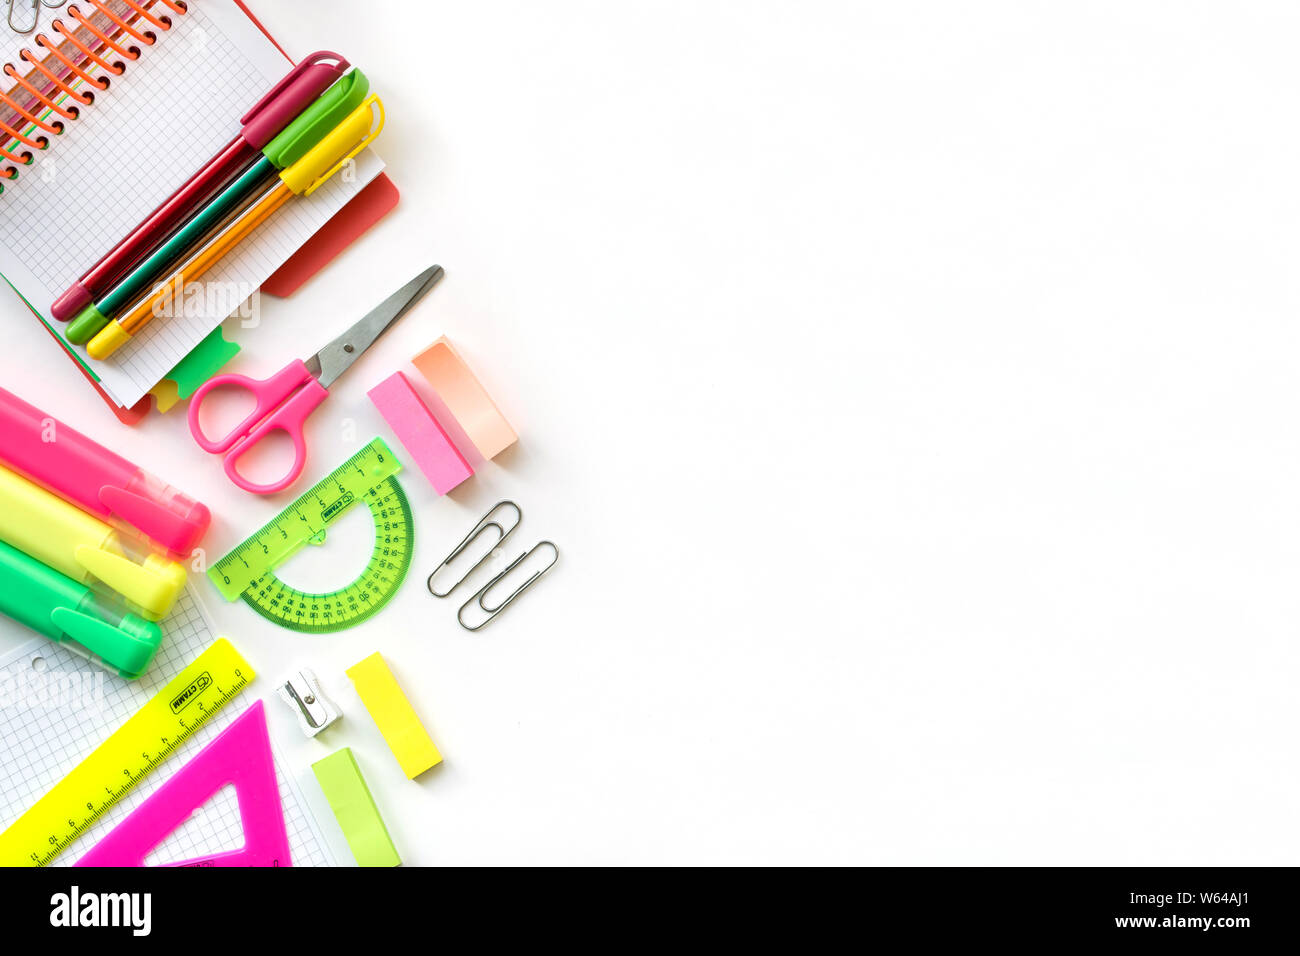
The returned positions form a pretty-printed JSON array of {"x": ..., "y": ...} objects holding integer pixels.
[
  {"x": 289, "y": 419},
  {"x": 268, "y": 394},
  {"x": 278, "y": 408}
]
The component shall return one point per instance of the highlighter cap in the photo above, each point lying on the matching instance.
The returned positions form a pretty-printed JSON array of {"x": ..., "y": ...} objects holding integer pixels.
[
  {"x": 85, "y": 473},
  {"x": 173, "y": 519},
  {"x": 126, "y": 647},
  {"x": 149, "y": 588},
  {"x": 98, "y": 627}
]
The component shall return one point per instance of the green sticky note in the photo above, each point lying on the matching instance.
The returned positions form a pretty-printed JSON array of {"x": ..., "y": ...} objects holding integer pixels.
[
  {"x": 202, "y": 362},
  {"x": 349, "y": 797}
]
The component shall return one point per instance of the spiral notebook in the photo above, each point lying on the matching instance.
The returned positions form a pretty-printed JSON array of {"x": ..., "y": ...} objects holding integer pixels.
[{"x": 168, "y": 112}]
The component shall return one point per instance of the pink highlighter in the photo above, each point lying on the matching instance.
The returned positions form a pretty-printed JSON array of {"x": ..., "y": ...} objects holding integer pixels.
[{"x": 88, "y": 475}]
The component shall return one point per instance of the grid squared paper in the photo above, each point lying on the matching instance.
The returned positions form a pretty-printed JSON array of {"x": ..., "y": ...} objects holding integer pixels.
[
  {"x": 42, "y": 738},
  {"x": 171, "y": 111}
]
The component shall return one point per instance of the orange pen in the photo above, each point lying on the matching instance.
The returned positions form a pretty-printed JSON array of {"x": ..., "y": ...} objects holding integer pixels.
[{"x": 357, "y": 131}]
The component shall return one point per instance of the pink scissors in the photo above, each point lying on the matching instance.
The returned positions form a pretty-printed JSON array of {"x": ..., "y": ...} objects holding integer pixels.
[{"x": 287, "y": 398}]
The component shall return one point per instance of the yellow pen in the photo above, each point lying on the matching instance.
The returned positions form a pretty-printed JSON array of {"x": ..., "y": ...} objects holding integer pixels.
[
  {"x": 357, "y": 131},
  {"x": 79, "y": 545}
]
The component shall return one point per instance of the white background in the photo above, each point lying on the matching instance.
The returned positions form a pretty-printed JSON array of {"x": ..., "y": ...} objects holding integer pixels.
[{"x": 910, "y": 389}]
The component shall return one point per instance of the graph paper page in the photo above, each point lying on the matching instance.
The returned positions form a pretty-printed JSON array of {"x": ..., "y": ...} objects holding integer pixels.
[
  {"x": 167, "y": 115},
  {"x": 55, "y": 709}
]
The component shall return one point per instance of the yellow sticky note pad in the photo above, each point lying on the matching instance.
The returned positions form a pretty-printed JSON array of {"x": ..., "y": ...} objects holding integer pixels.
[{"x": 393, "y": 714}]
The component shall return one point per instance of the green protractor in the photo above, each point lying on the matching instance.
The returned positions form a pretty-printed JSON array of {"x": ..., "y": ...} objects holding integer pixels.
[{"x": 249, "y": 570}]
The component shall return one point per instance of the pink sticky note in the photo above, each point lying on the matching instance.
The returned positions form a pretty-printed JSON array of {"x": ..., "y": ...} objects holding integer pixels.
[
  {"x": 420, "y": 433},
  {"x": 444, "y": 369}
]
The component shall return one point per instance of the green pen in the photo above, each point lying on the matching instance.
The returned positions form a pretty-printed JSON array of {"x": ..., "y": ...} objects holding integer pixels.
[
  {"x": 67, "y": 612},
  {"x": 288, "y": 147},
  {"x": 307, "y": 129}
]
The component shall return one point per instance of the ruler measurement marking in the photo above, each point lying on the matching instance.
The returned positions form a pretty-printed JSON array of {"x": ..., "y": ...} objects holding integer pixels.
[
  {"x": 330, "y": 498},
  {"x": 135, "y": 775}
]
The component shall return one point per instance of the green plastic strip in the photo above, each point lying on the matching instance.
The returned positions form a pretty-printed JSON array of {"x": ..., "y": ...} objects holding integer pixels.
[{"x": 202, "y": 362}]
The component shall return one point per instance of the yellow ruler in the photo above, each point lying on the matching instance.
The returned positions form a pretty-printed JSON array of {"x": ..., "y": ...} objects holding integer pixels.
[{"x": 127, "y": 757}]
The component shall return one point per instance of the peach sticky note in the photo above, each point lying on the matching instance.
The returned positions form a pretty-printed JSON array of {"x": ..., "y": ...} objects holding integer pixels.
[
  {"x": 420, "y": 433},
  {"x": 444, "y": 369}
]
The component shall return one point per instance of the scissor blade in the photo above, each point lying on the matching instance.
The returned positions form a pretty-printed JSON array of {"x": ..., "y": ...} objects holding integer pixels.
[{"x": 337, "y": 357}]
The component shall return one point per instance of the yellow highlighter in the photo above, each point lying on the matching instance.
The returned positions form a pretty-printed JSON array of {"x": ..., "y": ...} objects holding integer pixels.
[
  {"x": 79, "y": 545},
  {"x": 357, "y": 130}
]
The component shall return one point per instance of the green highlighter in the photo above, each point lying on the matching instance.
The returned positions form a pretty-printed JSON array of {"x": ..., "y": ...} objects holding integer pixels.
[
  {"x": 293, "y": 142},
  {"x": 65, "y": 611}
]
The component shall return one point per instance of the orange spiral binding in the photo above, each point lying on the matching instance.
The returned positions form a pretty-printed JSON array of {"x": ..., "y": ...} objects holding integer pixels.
[
  {"x": 64, "y": 111},
  {"x": 21, "y": 160},
  {"x": 130, "y": 52},
  {"x": 148, "y": 39},
  {"x": 42, "y": 41},
  {"x": 85, "y": 99},
  {"x": 71, "y": 36},
  {"x": 13, "y": 104},
  {"x": 26, "y": 104},
  {"x": 162, "y": 23},
  {"x": 23, "y": 138}
]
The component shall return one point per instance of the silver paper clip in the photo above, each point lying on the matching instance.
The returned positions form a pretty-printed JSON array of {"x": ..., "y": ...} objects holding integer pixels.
[
  {"x": 314, "y": 710},
  {"x": 21, "y": 28},
  {"x": 493, "y": 610},
  {"x": 35, "y": 7},
  {"x": 484, "y": 523}
]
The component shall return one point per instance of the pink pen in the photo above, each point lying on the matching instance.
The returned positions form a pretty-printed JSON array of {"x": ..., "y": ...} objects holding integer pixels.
[
  {"x": 88, "y": 475},
  {"x": 273, "y": 112}
]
